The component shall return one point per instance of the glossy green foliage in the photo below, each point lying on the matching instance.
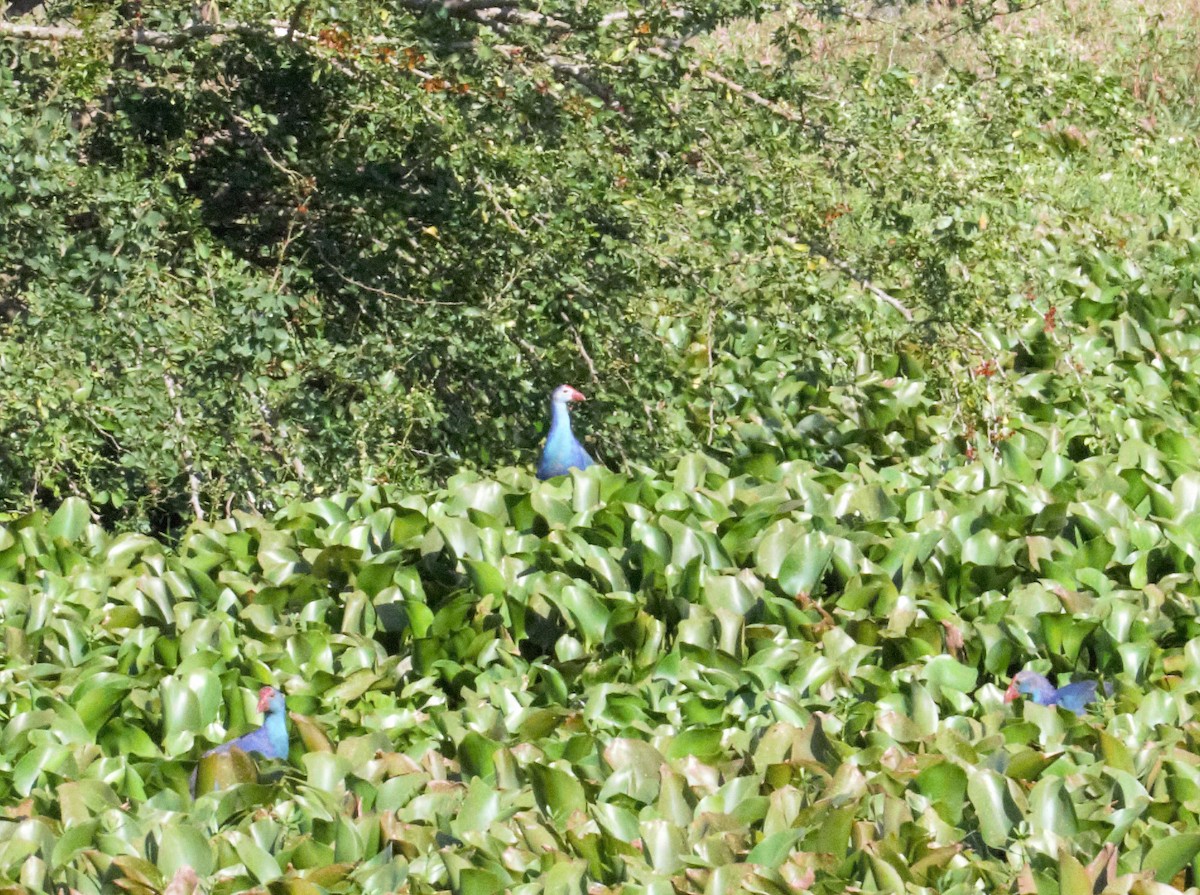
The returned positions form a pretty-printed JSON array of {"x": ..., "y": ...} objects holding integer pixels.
[
  {"x": 708, "y": 682},
  {"x": 237, "y": 271},
  {"x": 776, "y": 666}
]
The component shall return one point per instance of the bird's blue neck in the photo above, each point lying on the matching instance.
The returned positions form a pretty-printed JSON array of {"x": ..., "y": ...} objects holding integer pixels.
[
  {"x": 1042, "y": 691},
  {"x": 560, "y": 420},
  {"x": 276, "y": 725}
]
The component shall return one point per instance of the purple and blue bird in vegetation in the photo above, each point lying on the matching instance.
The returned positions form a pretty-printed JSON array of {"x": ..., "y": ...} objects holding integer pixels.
[
  {"x": 1074, "y": 697},
  {"x": 562, "y": 451},
  {"x": 270, "y": 740}
]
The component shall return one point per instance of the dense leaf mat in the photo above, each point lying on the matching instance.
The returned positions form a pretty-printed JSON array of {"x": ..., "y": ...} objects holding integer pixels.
[{"x": 777, "y": 682}]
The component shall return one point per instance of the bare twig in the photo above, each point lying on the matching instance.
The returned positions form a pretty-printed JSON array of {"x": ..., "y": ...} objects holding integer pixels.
[
  {"x": 141, "y": 36},
  {"x": 185, "y": 441},
  {"x": 746, "y": 93},
  {"x": 489, "y": 12},
  {"x": 622, "y": 14},
  {"x": 870, "y": 287},
  {"x": 297, "y": 17},
  {"x": 527, "y": 348},
  {"x": 995, "y": 12},
  {"x": 712, "y": 422},
  {"x": 504, "y": 212},
  {"x": 587, "y": 358},
  {"x": 857, "y": 277},
  {"x": 383, "y": 292}
]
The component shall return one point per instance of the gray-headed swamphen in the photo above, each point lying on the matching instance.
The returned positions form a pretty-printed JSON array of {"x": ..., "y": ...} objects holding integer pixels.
[
  {"x": 1074, "y": 697},
  {"x": 269, "y": 741},
  {"x": 562, "y": 451}
]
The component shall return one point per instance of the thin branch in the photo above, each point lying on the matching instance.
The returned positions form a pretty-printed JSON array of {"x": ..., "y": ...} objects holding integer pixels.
[
  {"x": 487, "y": 12},
  {"x": 857, "y": 277},
  {"x": 484, "y": 12},
  {"x": 623, "y": 14},
  {"x": 140, "y": 36},
  {"x": 870, "y": 286},
  {"x": 708, "y": 340},
  {"x": 349, "y": 280},
  {"x": 975, "y": 24},
  {"x": 185, "y": 439},
  {"x": 587, "y": 358},
  {"x": 500, "y": 209},
  {"x": 297, "y": 17}
]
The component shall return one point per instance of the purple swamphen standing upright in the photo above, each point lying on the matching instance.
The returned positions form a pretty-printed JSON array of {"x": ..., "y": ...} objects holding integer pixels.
[
  {"x": 1074, "y": 697},
  {"x": 562, "y": 452},
  {"x": 269, "y": 741}
]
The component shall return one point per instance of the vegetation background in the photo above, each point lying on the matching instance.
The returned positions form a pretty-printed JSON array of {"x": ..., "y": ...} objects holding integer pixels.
[{"x": 888, "y": 314}]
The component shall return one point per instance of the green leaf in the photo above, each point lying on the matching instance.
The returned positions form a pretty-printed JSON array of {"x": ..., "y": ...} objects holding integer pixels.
[
  {"x": 180, "y": 845},
  {"x": 260, "y": 864},
  {"x": 69, "y": 520},
  {"x": 1170, "y": 854},
  {"x": 993, "y": 804},
  {"x": 804, "y": 563},
  {"x": 312, "y": 735},
  {"x": 223, "y": 770},
  {"x": 558, "y": 793},
  {"x": 774, "y": 849}
]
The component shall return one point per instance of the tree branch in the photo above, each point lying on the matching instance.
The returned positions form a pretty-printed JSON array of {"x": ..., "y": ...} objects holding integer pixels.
[
  {"x": 185, "y": 439},
  {"x": 142, "y": 36},
  {"x": 483, "y": 12},
  {"x": 487, "y": 12},
  {"x": 696, "y": 68},
  {"x": 383, "y": 293},
  {"x": 869, "y": 286},
  {"x": 587, "y": 358},
  {"x": 857, "y": 277}
]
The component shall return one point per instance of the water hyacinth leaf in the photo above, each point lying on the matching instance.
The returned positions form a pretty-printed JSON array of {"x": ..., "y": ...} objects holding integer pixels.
[
  {"x": 73, "y": 840},
  {"x": 994, "y": 807},
  {"x": 69, "y": 520},
  {"x": 477, "y": 755},
  {"x": 312, "y": 736},
  {"x": 636, "y": 768},
  {"x": 181, "y": 708},
  {"x": 664, "y": 845},
  {"x": 223, "y": 770},
  {"x": 1170, "y": 854},
  {"x": 586, "y": 610},
  {"x": 774, "y": 849},
  {"x": 945, "y": 785},
  {"x": 1028, "y": 764},
  {"x": 326, "y": 771},
  {"x": 80, "y": 800},
  {"x": 1050, "y": 808},
  {"x": 36, "y": 764},
  {"x": 181, "y": 845},
  {"x": 485, "y": 578},
  {"x": 832, "y": 835},
  {"x": 1073, "y": 876},
  {"x": 480, "y": 809},
  {"x": 948, "y": 675},
  {"x": 558, "y": 793},
  {"x": 261, "y": 865},
  {"x": 137, "y": 874},
  {"x": 617, "y": 821},
  {"x": 702, "y": 743},
  {"x": 1065, "y": 634},
  {"x": 984, "y": 548},
  {"x": 98, "y": 697},
  {"x": 804, "y": 563}
]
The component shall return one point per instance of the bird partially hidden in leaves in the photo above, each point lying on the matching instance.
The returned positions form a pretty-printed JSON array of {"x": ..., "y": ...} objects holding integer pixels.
[
  {"x": 562, "y": 452},
  {"x": 269, "y": 741},
  {"x": 1074, "y": 697}
]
